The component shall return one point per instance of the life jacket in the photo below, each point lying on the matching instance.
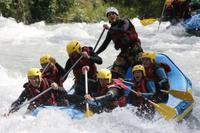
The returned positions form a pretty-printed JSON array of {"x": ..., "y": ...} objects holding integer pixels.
[
  {"x": 139, "y": 87},
  {"x": 52, "y": 75},
  {"x": 150, "y": 71},
  {"x": 77, "y": 71},
  {"x": 181, "y": 9},
  {"x": 126, "y": 39},
  {"x": 120, "y": 100},
  {"x": 47, "y": 99}
]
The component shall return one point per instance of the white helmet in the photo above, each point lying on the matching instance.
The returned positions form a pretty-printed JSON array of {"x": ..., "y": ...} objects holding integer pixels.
[{"x": 112, "y": 9}]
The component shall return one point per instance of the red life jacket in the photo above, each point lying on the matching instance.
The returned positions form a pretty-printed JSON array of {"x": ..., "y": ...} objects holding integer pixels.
[
  {"x": 120, "y": 38},
  {"x": 150, "y": 71},
  {"x": 52, "y": 74},
  {"x": 139, "y": 87},
  {"x": 77, "y": 71},
  {"x": 47, "y": 99}
]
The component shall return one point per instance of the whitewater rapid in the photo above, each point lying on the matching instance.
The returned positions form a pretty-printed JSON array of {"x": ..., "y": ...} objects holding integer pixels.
[{"x": 22, "y": 45}]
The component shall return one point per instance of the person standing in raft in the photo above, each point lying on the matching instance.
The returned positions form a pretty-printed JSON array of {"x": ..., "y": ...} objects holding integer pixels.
[{"x": 122, "y": 32}]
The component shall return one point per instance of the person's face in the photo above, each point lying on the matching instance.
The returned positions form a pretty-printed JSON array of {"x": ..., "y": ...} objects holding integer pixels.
[
  {"x": 103, "y": 82},
  {"x": 112, "y": 17},
  {"x": 74, "y": 55},
  {"x": 146, "y": 62},
  {"x": 138, "y": 75},
  {"x": 34, "y": 81},
  {"x": 46, "y": 66}
]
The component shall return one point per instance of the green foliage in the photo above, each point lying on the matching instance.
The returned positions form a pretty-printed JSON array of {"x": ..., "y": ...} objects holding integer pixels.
[
  {"x": 55, "y": 11},
  {"x": 49, "y": 10},
  {"x": 86, "y": 11}
]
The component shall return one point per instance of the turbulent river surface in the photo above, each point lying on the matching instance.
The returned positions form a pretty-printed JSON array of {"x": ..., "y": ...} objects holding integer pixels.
[{"x": 21, "y": 46}]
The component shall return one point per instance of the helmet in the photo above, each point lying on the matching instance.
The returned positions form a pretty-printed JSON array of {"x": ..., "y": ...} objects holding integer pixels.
[
  {"x": 34, "y": 72},
  {"x": 112, "y": 9},
  {"x": 73, "y": 46},
  {"x": 168, "y": 2},
  {"x": 139, "y": 68},
  {"x": 150, "y": 55},
  {"x": 104, "y": 74},
  {"x": 45, "y": 59}
]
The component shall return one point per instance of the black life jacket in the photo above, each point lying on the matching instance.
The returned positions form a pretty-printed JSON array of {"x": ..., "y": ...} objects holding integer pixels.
[{"x": 126, "y": 39}]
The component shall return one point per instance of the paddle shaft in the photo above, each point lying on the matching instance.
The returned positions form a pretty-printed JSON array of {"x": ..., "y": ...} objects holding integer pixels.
[
  {"x": 166, "y": 111},
  {"x": 88, "y": 112},
  {"x": 86, "y": 89},
  {"x": 161, "y": 15},
  {"x": 72, "y": 67},
  {"x": 99, "y": 39},
  {"x": 142, "y": 96},
  {"x": 43, "y": 70},
  {"x": 186, "y": 96}
]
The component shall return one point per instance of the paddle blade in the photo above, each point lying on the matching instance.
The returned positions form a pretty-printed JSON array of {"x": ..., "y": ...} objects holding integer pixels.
[
  {"x": 182, "y": 95},
  {"x": 145, "y": 22},
  {"x": 165, "y": 111},
  {"x": 88, "y": 113}
]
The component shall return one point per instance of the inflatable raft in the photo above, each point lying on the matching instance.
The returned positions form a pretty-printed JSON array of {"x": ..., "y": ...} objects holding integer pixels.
[
  {"x": 177, "y": 79},
  {"x": 192, "y": 25}
]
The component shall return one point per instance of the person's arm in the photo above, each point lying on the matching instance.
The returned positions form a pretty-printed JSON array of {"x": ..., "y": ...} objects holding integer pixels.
[
  {"x": 160, "y": 72},
  {"x": 95, "y": 58},
  {"x": 16, "y": 104},
  {"x": 105, "y": 44},
  {"x": 62, "y": 71},
  {"x": 111, "y": 94}
]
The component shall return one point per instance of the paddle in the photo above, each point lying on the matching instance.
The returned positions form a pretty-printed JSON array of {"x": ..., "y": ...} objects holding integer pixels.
[
  {"x": 148, "y": 21},
  {"x": 165, "y": 111},
  {"x": 72, "y": 67},
  {"x": 88, "y": 112},
  {"x": 45, "y": 68},
  {"x": 162, "y": 14},
  {"x": 12, "y": 110},
  {"x": 99, "y": 39},
  {"x": 186, "y": 96}
]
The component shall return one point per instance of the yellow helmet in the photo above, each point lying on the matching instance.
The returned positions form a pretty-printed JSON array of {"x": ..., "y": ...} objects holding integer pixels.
[
  {"x": 104, "y": 74},
  {"x": 73, "y": 46},
  {"x": 139, "y": 68},
  {"x": 34, "y": 72},
  {"x": 150, "y": 55},
  {"x": 45, "y": 59}
]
